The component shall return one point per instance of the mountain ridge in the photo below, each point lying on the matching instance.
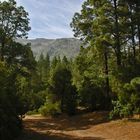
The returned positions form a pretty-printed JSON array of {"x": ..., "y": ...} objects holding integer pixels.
[{"x": 69, "y": 47}]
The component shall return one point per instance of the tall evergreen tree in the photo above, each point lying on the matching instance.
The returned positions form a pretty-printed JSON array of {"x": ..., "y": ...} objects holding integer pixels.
[{"x": 14, "y": 23}]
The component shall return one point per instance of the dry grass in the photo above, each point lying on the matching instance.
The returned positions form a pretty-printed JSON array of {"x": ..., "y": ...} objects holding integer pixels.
[{"x": 91, "y": 126}]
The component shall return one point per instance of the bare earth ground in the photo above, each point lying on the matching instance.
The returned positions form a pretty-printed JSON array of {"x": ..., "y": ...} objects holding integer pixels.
[{"x": 91, "y": 126}]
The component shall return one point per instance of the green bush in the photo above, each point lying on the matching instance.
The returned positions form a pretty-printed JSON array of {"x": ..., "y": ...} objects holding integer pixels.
[
  {"x": 128, "y": 102},
  {"x": 33, "y": 112},
  {"x": 52, "y": 109},
  {"x": 121, "y": 110}
]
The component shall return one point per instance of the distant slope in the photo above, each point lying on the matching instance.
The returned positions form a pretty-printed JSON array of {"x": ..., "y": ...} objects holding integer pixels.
[{"x": 54, "y": 47}]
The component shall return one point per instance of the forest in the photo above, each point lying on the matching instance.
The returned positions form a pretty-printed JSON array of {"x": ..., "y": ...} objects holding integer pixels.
[{"x": 105, "y": 76}]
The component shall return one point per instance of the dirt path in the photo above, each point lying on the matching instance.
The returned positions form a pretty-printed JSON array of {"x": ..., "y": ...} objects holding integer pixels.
[{"x": 93, "y": 126}]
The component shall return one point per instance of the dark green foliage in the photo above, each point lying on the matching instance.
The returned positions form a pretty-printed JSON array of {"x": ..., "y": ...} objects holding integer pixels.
[
  {"x": 70, "y": 102},
  {"x": 39, "y": 83},
  {"x": 92, "y": 96},
  {"x": 62, "y": 88},
  {"x": 110, "y": 29},
  {"x": 90, "y": 81},
  {"x": 57, "y": 84},
  {"x": 14, "y": 23},
  {"x": 14, "y": 94},
  {"x": 10, "y": 123},
  {"x": 128, "y": 102},
  {"x": 16, "y": 64},
  {"x": 37, "y": 99},
  {"x": 50, "y": 108}
]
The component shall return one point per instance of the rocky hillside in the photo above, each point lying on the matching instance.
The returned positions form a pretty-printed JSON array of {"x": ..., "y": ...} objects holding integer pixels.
[{"x": 55, "y": 47}]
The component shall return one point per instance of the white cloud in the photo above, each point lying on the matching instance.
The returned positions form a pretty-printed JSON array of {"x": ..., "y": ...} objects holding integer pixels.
[{"x": 51, "y": 18}]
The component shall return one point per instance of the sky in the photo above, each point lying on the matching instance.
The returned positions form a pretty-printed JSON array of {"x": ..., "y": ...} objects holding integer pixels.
[{"x": 51, "y": 18}]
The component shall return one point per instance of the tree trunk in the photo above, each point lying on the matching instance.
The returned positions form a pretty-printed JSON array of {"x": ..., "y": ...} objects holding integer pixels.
[
  {"x": 133, "y": 41},
  {"x": 132, "y": 33},
  {"x": 107, "y": 88},
  {"x": 117, "y": 38},
  {"x": 106, "y": 72},
  {"x": 139, "y": 36},
  {"x": 2, "y": 51},
  {"x": 62, "y": 104}
]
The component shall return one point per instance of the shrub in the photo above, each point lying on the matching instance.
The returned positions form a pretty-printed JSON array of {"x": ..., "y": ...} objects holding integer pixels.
[
  {"x": 121, "y": 110},
  {"x": 33, "y": 112},
  {"x": 128, "y": 102},
  {"x": 52, "y": 109}
]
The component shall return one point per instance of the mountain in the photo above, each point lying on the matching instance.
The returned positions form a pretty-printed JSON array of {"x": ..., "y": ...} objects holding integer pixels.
[{"x": 54, "y": 47}]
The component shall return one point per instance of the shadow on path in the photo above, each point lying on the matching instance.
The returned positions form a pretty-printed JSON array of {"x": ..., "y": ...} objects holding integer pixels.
[
  {"x": 62, "y": 127},
  {"x": 32, "y": 135},
  {"x": 79, "y": 122}
]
